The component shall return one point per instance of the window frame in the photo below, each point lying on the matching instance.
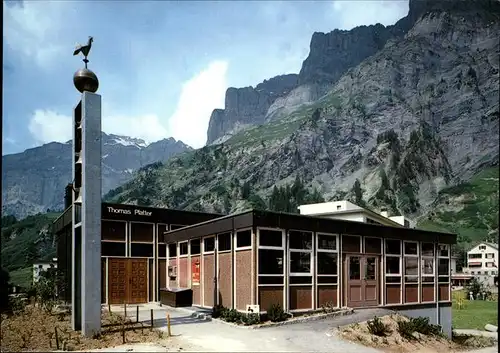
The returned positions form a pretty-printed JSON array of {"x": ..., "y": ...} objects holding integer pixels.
[
  {"x": 246, "y": 247},
  {"x": 304, "y": 251},
  {"x": 328, "y": 251},
  {"x": 414, "y": 256},
  {"x": 203, "y": 251},
  {"x": 187, "y": 247},
  {"x": 284, "y": 257},
  {"x": 440, "y": 257},
  {"x": 230, "y": 234}
]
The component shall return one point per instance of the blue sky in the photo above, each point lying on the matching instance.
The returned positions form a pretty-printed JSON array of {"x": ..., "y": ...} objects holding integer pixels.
[{"x": 162, "y": 66}]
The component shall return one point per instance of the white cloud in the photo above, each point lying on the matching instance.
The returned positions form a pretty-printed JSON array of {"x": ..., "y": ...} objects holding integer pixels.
[
  {"x": 48, "y": 126},
  {"x": 200, "y": 95},
  {"x": 350, "y": 14},
  {"x": 189, "y": 123},
  {"x": 31, "y": 29}
]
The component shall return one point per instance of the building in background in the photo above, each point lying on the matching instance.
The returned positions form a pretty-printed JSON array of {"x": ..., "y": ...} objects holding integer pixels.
[
  {"x": 39, "y": 267},
  {"x": 347, "y": 211},
  {"x": 482, "y": 263}
]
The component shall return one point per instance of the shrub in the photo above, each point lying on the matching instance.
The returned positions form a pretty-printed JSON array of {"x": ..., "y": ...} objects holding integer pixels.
[
  {"x": 406, "y": 330},
  {"x": 421, "y": 325},
  {"x": 378, "y": 328},
  {"x": 250, "y": 319},
  {"x": 328, "y": 307},
  {"x": 276, "y": 314},
  {"x": 231, "y": 315}
]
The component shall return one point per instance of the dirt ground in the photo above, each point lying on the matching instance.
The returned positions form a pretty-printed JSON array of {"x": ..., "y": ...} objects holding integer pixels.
[
  {"x": 394, "y": 342},
  {"x": 35, "y": 330}
]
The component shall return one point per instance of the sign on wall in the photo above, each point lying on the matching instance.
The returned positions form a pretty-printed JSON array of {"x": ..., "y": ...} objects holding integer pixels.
[{"x": 195, "y": 272}]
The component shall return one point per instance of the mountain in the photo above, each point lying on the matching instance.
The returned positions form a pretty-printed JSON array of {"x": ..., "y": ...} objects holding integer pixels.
[
  {"x": 34, "y": 180},
  {"x": 389, "y": 117}
]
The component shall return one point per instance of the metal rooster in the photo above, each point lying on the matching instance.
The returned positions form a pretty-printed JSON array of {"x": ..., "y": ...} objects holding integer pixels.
[{"x": 84, "y": 49}]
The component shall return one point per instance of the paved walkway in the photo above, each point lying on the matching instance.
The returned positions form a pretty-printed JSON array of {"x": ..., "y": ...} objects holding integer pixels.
[{"x": 193, "y": 334}]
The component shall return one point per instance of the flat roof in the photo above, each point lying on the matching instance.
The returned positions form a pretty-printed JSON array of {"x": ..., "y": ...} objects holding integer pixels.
[{"x": 269, "y": 219}]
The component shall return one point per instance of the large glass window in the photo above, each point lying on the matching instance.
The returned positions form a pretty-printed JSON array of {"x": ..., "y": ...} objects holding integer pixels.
[
  {"x": 444, "y": 263},
  {"x": 224, "y": 242},
  {"x": 195, "y": 246},
  {"x": 243, "y": 238},
  {"x": 392, "y": 247},
  {"x": 300, "y": 262},
  {"x": 393, "y": 262},
  {"x": 392, "y": 265},
  {"x": 183, "y": 248},
  {"x": 300, "y": 240},
  {"x": 270, "y": 238},
  {"x": 172, "y": 250},
  {"x": 410, "y": 261},
  {"x": 208, "y": 244},
  {"x": 327, "y": 258},
  {"x": 427, "y": 269},
  {"x": 270, "y": 262}
]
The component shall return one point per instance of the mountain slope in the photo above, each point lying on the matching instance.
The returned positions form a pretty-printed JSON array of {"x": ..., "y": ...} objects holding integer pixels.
[
  {"x": 406, "y": 123},
  {"x": 34, "y": 180}
]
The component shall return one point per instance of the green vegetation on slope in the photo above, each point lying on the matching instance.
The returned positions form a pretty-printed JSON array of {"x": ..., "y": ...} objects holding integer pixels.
[
  {"x": 468, "y": 209},
  {"x": 25, "y": 242}
]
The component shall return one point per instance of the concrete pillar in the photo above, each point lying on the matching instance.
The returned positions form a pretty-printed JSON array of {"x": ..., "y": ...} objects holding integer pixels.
[
  {"x": 91, "y": 214},
  {"x": 86, "y": 282}
]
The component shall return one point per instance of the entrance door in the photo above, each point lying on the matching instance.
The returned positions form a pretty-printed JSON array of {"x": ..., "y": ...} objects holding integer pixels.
[
  {"x": 128, "y": 281},
  {"x": 362, "y": 280}
]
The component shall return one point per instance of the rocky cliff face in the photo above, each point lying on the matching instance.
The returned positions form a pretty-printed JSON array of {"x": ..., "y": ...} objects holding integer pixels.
[
  {"x": 247, "y": 107},
  {"x": 418, "y": 115},
  {"x": 34, "y": 180}
]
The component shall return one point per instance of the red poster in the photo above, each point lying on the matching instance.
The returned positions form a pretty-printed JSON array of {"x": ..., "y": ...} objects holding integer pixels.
[{"x": 195, "y": 272}]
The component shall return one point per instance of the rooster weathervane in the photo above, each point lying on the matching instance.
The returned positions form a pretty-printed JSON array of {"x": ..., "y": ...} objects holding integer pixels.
[{"x": 84, "y": 49}]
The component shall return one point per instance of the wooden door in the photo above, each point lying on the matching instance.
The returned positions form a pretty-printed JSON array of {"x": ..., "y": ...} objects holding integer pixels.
[
  {"x": 117, "y": 281},
  {"x": 128, "y": 281},
  {"x": 138, "y": 281},
  {"x": 370, "y": 280},
  {"x": 354, "y": 281},
  {"x": 362, "y": 281}
]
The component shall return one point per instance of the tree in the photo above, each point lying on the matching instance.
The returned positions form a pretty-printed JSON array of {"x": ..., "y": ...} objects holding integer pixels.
[{"x": 358, "y": 193}]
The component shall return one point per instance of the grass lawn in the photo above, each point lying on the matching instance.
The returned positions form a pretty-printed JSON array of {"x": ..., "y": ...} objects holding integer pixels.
[{"x": 475, "y": 314}]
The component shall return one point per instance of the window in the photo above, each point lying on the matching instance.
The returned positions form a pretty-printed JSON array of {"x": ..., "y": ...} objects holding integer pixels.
[
  {"x": 195, "y": 246},
  {"x": 111, "y": 249},
  {"x": 327, "y": 258},
  {"x": 270, "y": 238},
  {"x": 244, "y": 238},
  {"x": 427, "y": 262},
  {"x": 490, "y": 256},
  {"x": 444, "y": 250},
  {"x": 270, "y": 262},
  {"x": 271, "y": 255},
  {"x": 411, "y": 248},
  {"x": 392, "y": 247},
  {"x": 475, "y": 256},
  {"x": 339, "y": 207},
  {"x": 162, "y": 228},
  {"x": 327, "y": 263},
  {"x": 183, "y": 248},
  {"x": 471, "y": 272},
  {"x": 373, "y": 245},
  {"x": 482, "y": 247},
  {"x": 141, "y": 250},
  {"x": 327, "y": 242},
  {"x": 162, "y": 250},
  {"x": 300, "y": 262},
  {"x": 392, "y": 265},
  {"x": 300, "y": 240},
  {"x": 224, "y": 242},
  {"x": 208, "y": 244},
  {"x": 351, "y": 243},
  {"x": 172, "y": 250},
  {"x": 410, "y": 261},
  {"x": 393, "y": 261}
]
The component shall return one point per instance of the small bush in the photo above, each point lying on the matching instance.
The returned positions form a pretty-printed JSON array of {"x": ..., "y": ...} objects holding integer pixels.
[
  {"x": 378, "y": 328},
  {"x": 406, "y": 330},
  {"x": 250, "y": 319},
  {"x": 276, "y": 314},
  {"x": 421, "y": 325},
  {"x": 231, "y": 315},
  {"x": 328, "y": 307}
]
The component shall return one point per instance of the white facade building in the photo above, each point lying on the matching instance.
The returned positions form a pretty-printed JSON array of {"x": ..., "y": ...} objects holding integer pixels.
[
  {"x": 42, "y": 266},
  {"x": 482, "y": 262},
  {"x": 348, "y": 211}
]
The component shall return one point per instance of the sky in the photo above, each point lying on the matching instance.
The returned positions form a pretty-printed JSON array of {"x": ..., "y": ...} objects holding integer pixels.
[{"x": 163, "y": 66}]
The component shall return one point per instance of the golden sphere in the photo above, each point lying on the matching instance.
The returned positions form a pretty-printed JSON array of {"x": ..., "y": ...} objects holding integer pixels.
[{"x": 85, "y": 80}]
